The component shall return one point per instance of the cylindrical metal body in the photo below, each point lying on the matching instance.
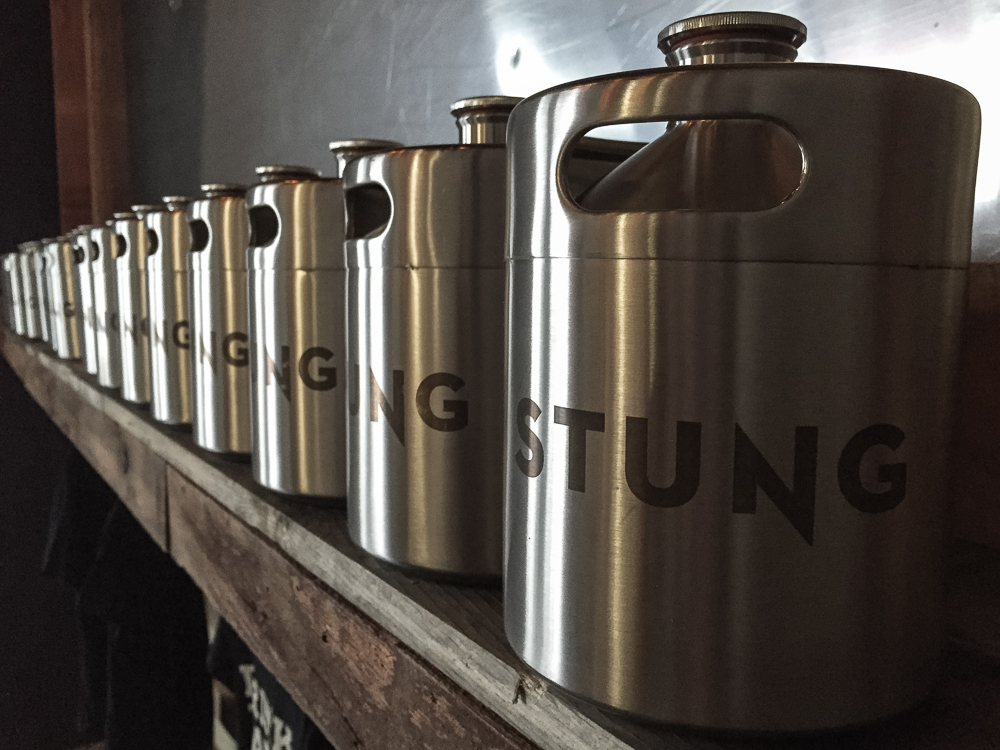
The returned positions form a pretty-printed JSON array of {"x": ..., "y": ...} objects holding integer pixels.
[
  {"x": 29, "y": 290},
  {"x": 297, "y": 336},
  {"x": 104, "y": 270},
  {"x": 169, "y": 241},
  {"x": 726, "y": 430},
  {"x": 67, "y": 323},
  {"x": 133, "y": 304},
  {"x": 36, "y": 253},
  {"x": 217, "y": 293},
  {"x": 13, "y": 292},
  {"x": 425, "y": 351},
  {"x": 84, "y": 283}
]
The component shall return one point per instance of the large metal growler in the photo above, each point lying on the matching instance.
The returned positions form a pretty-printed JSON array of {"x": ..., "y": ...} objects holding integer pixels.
[
  {"x": 133, "y": 302},
  {"x": 84, "y": 283},
  {"x": 217, "y": 295},
  {"x": 425, "y": 348},
  {"x": 104, "y": 271},
  {"x": 13, "y": 292},
  {"x": 169, "y": 241},
  {"x": 29, "y": 290},
  {"x": 67, "y": 323},
  {"x": 296, "y": 284},
  {"x": 728, "y": 412},
  {"x": 36, "y": 262}
]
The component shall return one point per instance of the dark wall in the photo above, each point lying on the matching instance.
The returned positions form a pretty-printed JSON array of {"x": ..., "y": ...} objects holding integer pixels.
[{"x": 39, "y": 687}]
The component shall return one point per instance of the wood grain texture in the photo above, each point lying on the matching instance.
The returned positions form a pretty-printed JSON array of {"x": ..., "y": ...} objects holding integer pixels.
[
  {"x": 360, "y": 685},
  {"x": 975, "y": 474},
  {"x": 107, "y": 112},
  {"x": 454, "y": 632},
  {"x": 69, "y": 73}
]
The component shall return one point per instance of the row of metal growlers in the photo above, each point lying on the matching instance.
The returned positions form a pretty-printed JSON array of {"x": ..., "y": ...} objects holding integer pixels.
[{"x": 692, "y": 404}]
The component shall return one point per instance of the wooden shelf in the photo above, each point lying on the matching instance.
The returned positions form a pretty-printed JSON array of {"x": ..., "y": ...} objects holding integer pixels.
[{"x": 379, "y": 658}]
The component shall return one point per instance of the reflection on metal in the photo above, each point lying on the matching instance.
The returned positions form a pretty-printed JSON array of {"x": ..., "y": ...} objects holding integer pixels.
[
  {"x": 29, "y": 290},
  {"x": 104, "y": 272},
  {"x": 169, "y": 241},
  {"x": 67, "y": 323},
  {"x": 425, "y": 348},
  {"x": 84, "y": 283},
  {"x": 13, "y": 292},
  {"x": 217, "y": 293},
  {"x": 717, "y": 421},
  {"x": 133, "y": 303},
  {"x": 390, "y": 68}
]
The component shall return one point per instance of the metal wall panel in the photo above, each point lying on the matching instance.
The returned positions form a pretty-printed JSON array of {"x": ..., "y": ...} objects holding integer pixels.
[{"x": 218, "y": 86}]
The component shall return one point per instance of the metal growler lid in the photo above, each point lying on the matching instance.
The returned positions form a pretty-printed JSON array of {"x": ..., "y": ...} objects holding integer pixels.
[
  {"x": 220, "y": 230},
  {"x": 451, "y": 197},
  {"x": 168, "y": 235},
  {"x": 285, "y": 173},
  {"x": 346, "y": 151},
  {"x": 870, "y": 145},
  {"x": 132, "y": 238},
  {"x": 733, "y": 37},
  {"x": 483, "y": 119}
]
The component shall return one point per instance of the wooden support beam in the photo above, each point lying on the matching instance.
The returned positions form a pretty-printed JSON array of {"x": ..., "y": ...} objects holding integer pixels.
[{"x": 88, "y": 67}]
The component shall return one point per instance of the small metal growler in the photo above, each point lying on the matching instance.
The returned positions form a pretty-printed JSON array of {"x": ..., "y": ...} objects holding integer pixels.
[
  {"x": 133, "y": 302},
  {"x": 169, "y": 241},
  {"x": 425, "y": 348},
  {"x": 29, "y": 288},
  {"x": 13, "y": 292},
  {"x": 84, "y": 283},
  {"x": 67, "y": 323},
  {"x": 217, "y": 294},
  {"x": 297, "y": 332},
  {"x": 36, "y": 254},
  {"x": 104, "y": 271},
  {"x": 730, "y": 377}
]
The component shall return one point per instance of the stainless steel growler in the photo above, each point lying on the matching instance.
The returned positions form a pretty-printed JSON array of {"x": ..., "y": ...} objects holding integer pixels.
[
  {"x": 217, "y": 294},
  {"x": 29, "y": 290},
  {"x": 169, "y": 241},
  {"x": 727, "y": 424},
  {"x": 13, "y": 292},
  {"x": 84, "y": 282},
  {"x": 133, "y": 302},
  {"x": 425, "y": 348},
  {"x": 64, "y": 285},
  {"x": 36, "y": 254},
  {"x": 104, "y": 271},
  {"x": 296, "y": 284}
]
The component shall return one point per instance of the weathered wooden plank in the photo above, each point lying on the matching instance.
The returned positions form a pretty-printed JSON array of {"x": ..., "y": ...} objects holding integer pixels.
[
  {"x": 975, "y": 476},
  {"x": 361, "y": 686},
  {"x": 459, "y": 630}
]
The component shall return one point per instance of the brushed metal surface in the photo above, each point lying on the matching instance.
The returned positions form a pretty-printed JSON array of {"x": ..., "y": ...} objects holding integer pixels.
[
  {"x": 133, "y": 307},
  {"x": 36, "y": 253},
  {"x": 388, "y": 68},
  {"x": 219, "y": 322},
  {"x": 29, "y": 291},
  {"x": 296, "y": 283},
  {"x": 169, "y": 241},
  {"x": 13, "y": 291},
  {"x": 67, "y": 323},
  {"x": 726, "y": 431},
  {"x": 84, "y": 284},
  {"x": 104, "y": 271},
  {"x": 425, "y": 351}
]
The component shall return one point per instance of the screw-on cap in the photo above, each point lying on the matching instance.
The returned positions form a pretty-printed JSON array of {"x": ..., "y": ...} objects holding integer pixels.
[
  {"x": 349, "y": 150},
  {"x": 483, "y": 119},
  {"x": 176, "y": 202},
  {"x": 142, "y": 209},
  {"x": 119, "y": 216},
  {"x": 221, "y": 189},
  {"x": 738, "y": 36},
  {"x": 283, "y": 172}
]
